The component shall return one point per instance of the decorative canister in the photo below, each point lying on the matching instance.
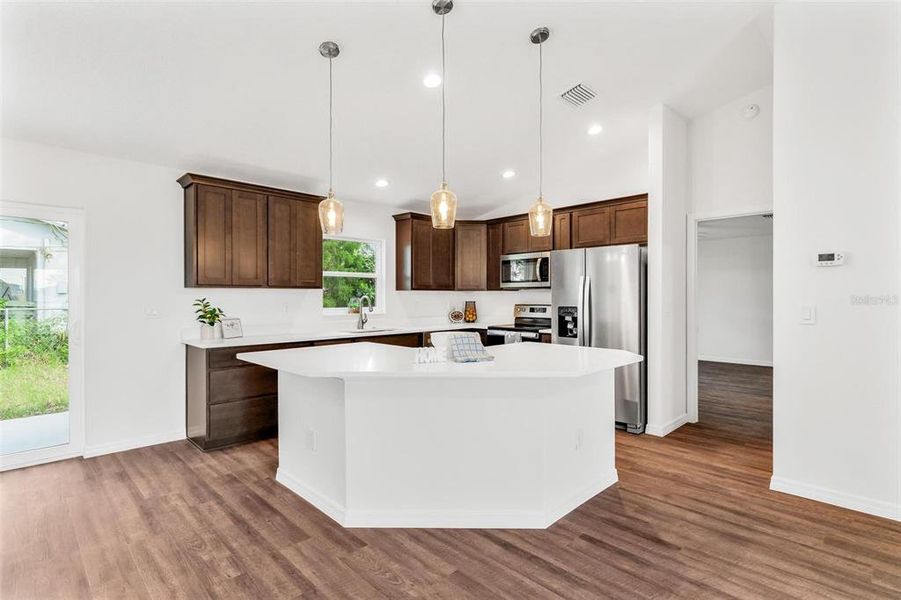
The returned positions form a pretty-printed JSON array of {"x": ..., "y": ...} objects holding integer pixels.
[{"x": 469, "y": 312}]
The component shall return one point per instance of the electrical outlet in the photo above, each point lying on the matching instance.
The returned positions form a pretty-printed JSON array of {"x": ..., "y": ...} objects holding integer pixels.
[
  {"x": 580, "y": 438},
  {"x": 808, "y": 315},
  {"x": 312, "y": 441},
  {"x": 151, "y": 312}
]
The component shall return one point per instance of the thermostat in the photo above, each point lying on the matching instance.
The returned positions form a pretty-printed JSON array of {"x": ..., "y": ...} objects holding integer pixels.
[{"x": 830, "y": 259}]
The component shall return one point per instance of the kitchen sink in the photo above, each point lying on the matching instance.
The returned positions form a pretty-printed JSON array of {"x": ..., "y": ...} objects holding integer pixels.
[{"x": 371, "y": 330}]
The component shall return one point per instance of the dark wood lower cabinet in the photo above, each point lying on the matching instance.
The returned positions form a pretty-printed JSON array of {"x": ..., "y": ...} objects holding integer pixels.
[
  {"x": 244, "y": 420},
  {"x": 230, "y": 401}
]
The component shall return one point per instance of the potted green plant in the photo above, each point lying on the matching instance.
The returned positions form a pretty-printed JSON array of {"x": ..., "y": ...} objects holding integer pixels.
[{"x": 209, "y": 317}]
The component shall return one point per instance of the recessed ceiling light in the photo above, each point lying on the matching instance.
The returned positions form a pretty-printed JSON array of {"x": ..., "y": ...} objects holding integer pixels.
[
  {"x": 381, "y": 183},
  {"x": 432, "y": 80},
  {"x": 595, "y": 129},
  {"x": 508, "y": 173}
]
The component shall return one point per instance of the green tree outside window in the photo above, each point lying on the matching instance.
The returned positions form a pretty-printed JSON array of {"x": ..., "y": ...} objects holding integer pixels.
[{"x": 349, "y": 270}]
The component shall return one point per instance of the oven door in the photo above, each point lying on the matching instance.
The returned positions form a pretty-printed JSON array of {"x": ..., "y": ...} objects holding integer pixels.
[
  {"x": 496, "y": 337},
  {"x": 531, "y": 270}
]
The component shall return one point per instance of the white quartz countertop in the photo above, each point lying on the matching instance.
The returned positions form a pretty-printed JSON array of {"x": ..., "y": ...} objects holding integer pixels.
[
  {"x": 368, "y": 359},
  {"x": 347, "y": 333}
]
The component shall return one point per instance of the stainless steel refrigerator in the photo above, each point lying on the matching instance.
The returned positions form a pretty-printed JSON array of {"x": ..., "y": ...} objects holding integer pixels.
[{"x": 599, "y": 299}]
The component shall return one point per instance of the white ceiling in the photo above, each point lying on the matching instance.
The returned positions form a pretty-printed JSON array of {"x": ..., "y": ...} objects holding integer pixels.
[
  {"x": 735, "y": 227},
  {"x": 240, "y": 90}
]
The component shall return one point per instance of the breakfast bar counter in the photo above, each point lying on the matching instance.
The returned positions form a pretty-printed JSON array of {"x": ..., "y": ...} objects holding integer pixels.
[{"x": 374, "y": 440}]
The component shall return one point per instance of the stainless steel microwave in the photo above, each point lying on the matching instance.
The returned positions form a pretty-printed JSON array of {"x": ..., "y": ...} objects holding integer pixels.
[{"x": 529, "y": 270}]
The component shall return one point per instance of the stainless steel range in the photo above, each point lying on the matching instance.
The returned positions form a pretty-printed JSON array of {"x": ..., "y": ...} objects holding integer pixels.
[{"x": 528, "y": 320}]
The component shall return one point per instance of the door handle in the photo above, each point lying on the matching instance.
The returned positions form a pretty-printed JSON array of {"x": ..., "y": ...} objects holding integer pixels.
[
  {"x": 587, "y": 320},
  {"x": 580, "y": 323}
]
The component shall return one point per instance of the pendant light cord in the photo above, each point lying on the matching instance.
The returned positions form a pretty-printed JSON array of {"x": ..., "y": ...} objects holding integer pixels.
[
  {"x": 330, "y": 126},
  {"x": 443, "y": 108},
  {"x": 540, "y": 121}
]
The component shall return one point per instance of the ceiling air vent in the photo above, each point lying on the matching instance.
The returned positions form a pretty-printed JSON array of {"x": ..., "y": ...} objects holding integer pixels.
[{"x": 578, "y": 95}]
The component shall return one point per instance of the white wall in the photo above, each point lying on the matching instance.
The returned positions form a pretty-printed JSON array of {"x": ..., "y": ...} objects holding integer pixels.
[
  {"x": 732, "y": 158},
  {"x": 134, "y": 366},
  {"x": 735, "y": 300},
  {"x": 836, "y": 103},
  {"x": 668, "y": 199}
]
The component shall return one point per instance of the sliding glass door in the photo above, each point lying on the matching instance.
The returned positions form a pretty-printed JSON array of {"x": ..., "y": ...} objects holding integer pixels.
[{"x": 41, "y": 411}]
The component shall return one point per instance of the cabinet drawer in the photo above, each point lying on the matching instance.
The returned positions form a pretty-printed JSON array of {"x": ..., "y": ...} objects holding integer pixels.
[
  {"x": 227, "y": 385},
  {"x": 243, "y": 419},
  {"x": 333, "y": 342},
  {"x": 410, "y": 340},
  {"x": 222, "y": 358}
]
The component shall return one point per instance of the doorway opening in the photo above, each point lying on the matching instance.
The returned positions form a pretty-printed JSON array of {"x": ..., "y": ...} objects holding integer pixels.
[
  {"x": 41, "y": 411},
  {"x": 730, "y": 322}
]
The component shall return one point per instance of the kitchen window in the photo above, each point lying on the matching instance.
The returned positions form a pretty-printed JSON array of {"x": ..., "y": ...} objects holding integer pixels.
[{"x": 351, "y": 268}]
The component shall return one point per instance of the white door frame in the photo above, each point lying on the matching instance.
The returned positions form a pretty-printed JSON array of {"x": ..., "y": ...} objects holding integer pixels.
[
  {"x": 691, "y": 317},
  {"x": 76, "y": 220}
]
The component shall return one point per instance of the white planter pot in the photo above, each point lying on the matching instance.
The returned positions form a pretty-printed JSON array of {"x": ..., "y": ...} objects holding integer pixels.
[{"x": 210, "y": 332}]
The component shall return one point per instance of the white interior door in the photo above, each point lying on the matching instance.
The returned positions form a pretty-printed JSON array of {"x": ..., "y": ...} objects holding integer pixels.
[{"x": 41, "y": 345}]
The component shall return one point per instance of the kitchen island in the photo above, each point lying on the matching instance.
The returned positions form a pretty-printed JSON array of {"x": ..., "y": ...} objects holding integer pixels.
[{"x": 374, "y": 440}]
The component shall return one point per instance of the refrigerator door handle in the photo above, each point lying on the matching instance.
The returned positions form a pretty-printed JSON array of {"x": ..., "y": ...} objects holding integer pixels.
[
  {"x": 580, "y": 315},
  {"x": 586, "y": 307}
]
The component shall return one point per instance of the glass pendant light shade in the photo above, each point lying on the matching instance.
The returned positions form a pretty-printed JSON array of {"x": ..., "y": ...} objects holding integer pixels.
[
  {"x": 444, "y": 201},
  {"x": 331, "y": 210},
  {"x": 541, "y": 218},
  {"x": 331, "y": 215},
  {"x": 541, "y": 215},
  {"x": 444, "y": 208}
]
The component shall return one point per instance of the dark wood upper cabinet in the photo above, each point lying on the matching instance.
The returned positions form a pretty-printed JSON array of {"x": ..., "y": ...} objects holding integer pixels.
[
  {"x": 540, "y": 244},
  {"x": 629, "y": 223},
  {"x": 494, "y": 251},
  {"x": 518, "y": 238},
  {"x": 443, "y": 271},
  {"x": 424, "y": 256},
  {"x": 282, "y": 242},
  {"x": 308, "y": 268},
  {"x": 249, "y": 246},
  {"x": 295, "y": 243},
  {"x": 421, "y": 252},
  {"x": 243, "y": 235},
  {"x": 516, "y": 235},
  {"x": 562, "y": 238},
  {"x": 471, "y": 243},
  {"x": 210, "y": 239},
  {"x": 590, "y": 227}
]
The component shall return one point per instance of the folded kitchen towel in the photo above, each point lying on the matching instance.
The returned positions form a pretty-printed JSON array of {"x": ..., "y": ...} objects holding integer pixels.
[{"x": 467, "y": 347}]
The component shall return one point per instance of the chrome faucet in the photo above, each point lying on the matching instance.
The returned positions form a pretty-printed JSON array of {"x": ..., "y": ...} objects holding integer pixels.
[{"x": 363, "y": 319}]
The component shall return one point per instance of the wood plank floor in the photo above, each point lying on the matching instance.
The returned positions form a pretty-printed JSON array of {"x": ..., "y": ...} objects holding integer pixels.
[{"x": 691, "y": 518}]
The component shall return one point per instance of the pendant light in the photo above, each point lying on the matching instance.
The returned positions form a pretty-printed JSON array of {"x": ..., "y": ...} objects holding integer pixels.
[
  {"x": 444, "y": 201},
  {"x": 541, "y": 215},
  {"x": 331, "y": 210}
]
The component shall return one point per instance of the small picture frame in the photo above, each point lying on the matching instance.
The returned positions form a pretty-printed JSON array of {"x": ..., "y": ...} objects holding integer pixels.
[{"x": 231, "y": 328}]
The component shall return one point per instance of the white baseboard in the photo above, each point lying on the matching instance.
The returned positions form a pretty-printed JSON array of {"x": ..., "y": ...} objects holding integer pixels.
[
  {"x": 736, "y": 361},
  {"x": 443, "y": 518},
  {"x": 879, "y": 508},
  {"x": 131, "y": 444},
  {"x": 666, "y": 428},
  {"x": 320, "y": 501}
]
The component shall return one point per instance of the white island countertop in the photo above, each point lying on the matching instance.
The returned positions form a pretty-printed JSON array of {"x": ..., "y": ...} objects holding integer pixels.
[
  {"x": 366, "y": 359},
  {"x": 314, "y": 336}
]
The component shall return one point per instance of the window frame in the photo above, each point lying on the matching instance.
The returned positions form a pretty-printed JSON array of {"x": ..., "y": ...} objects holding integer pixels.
[{"x": 378, "y": 275}]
